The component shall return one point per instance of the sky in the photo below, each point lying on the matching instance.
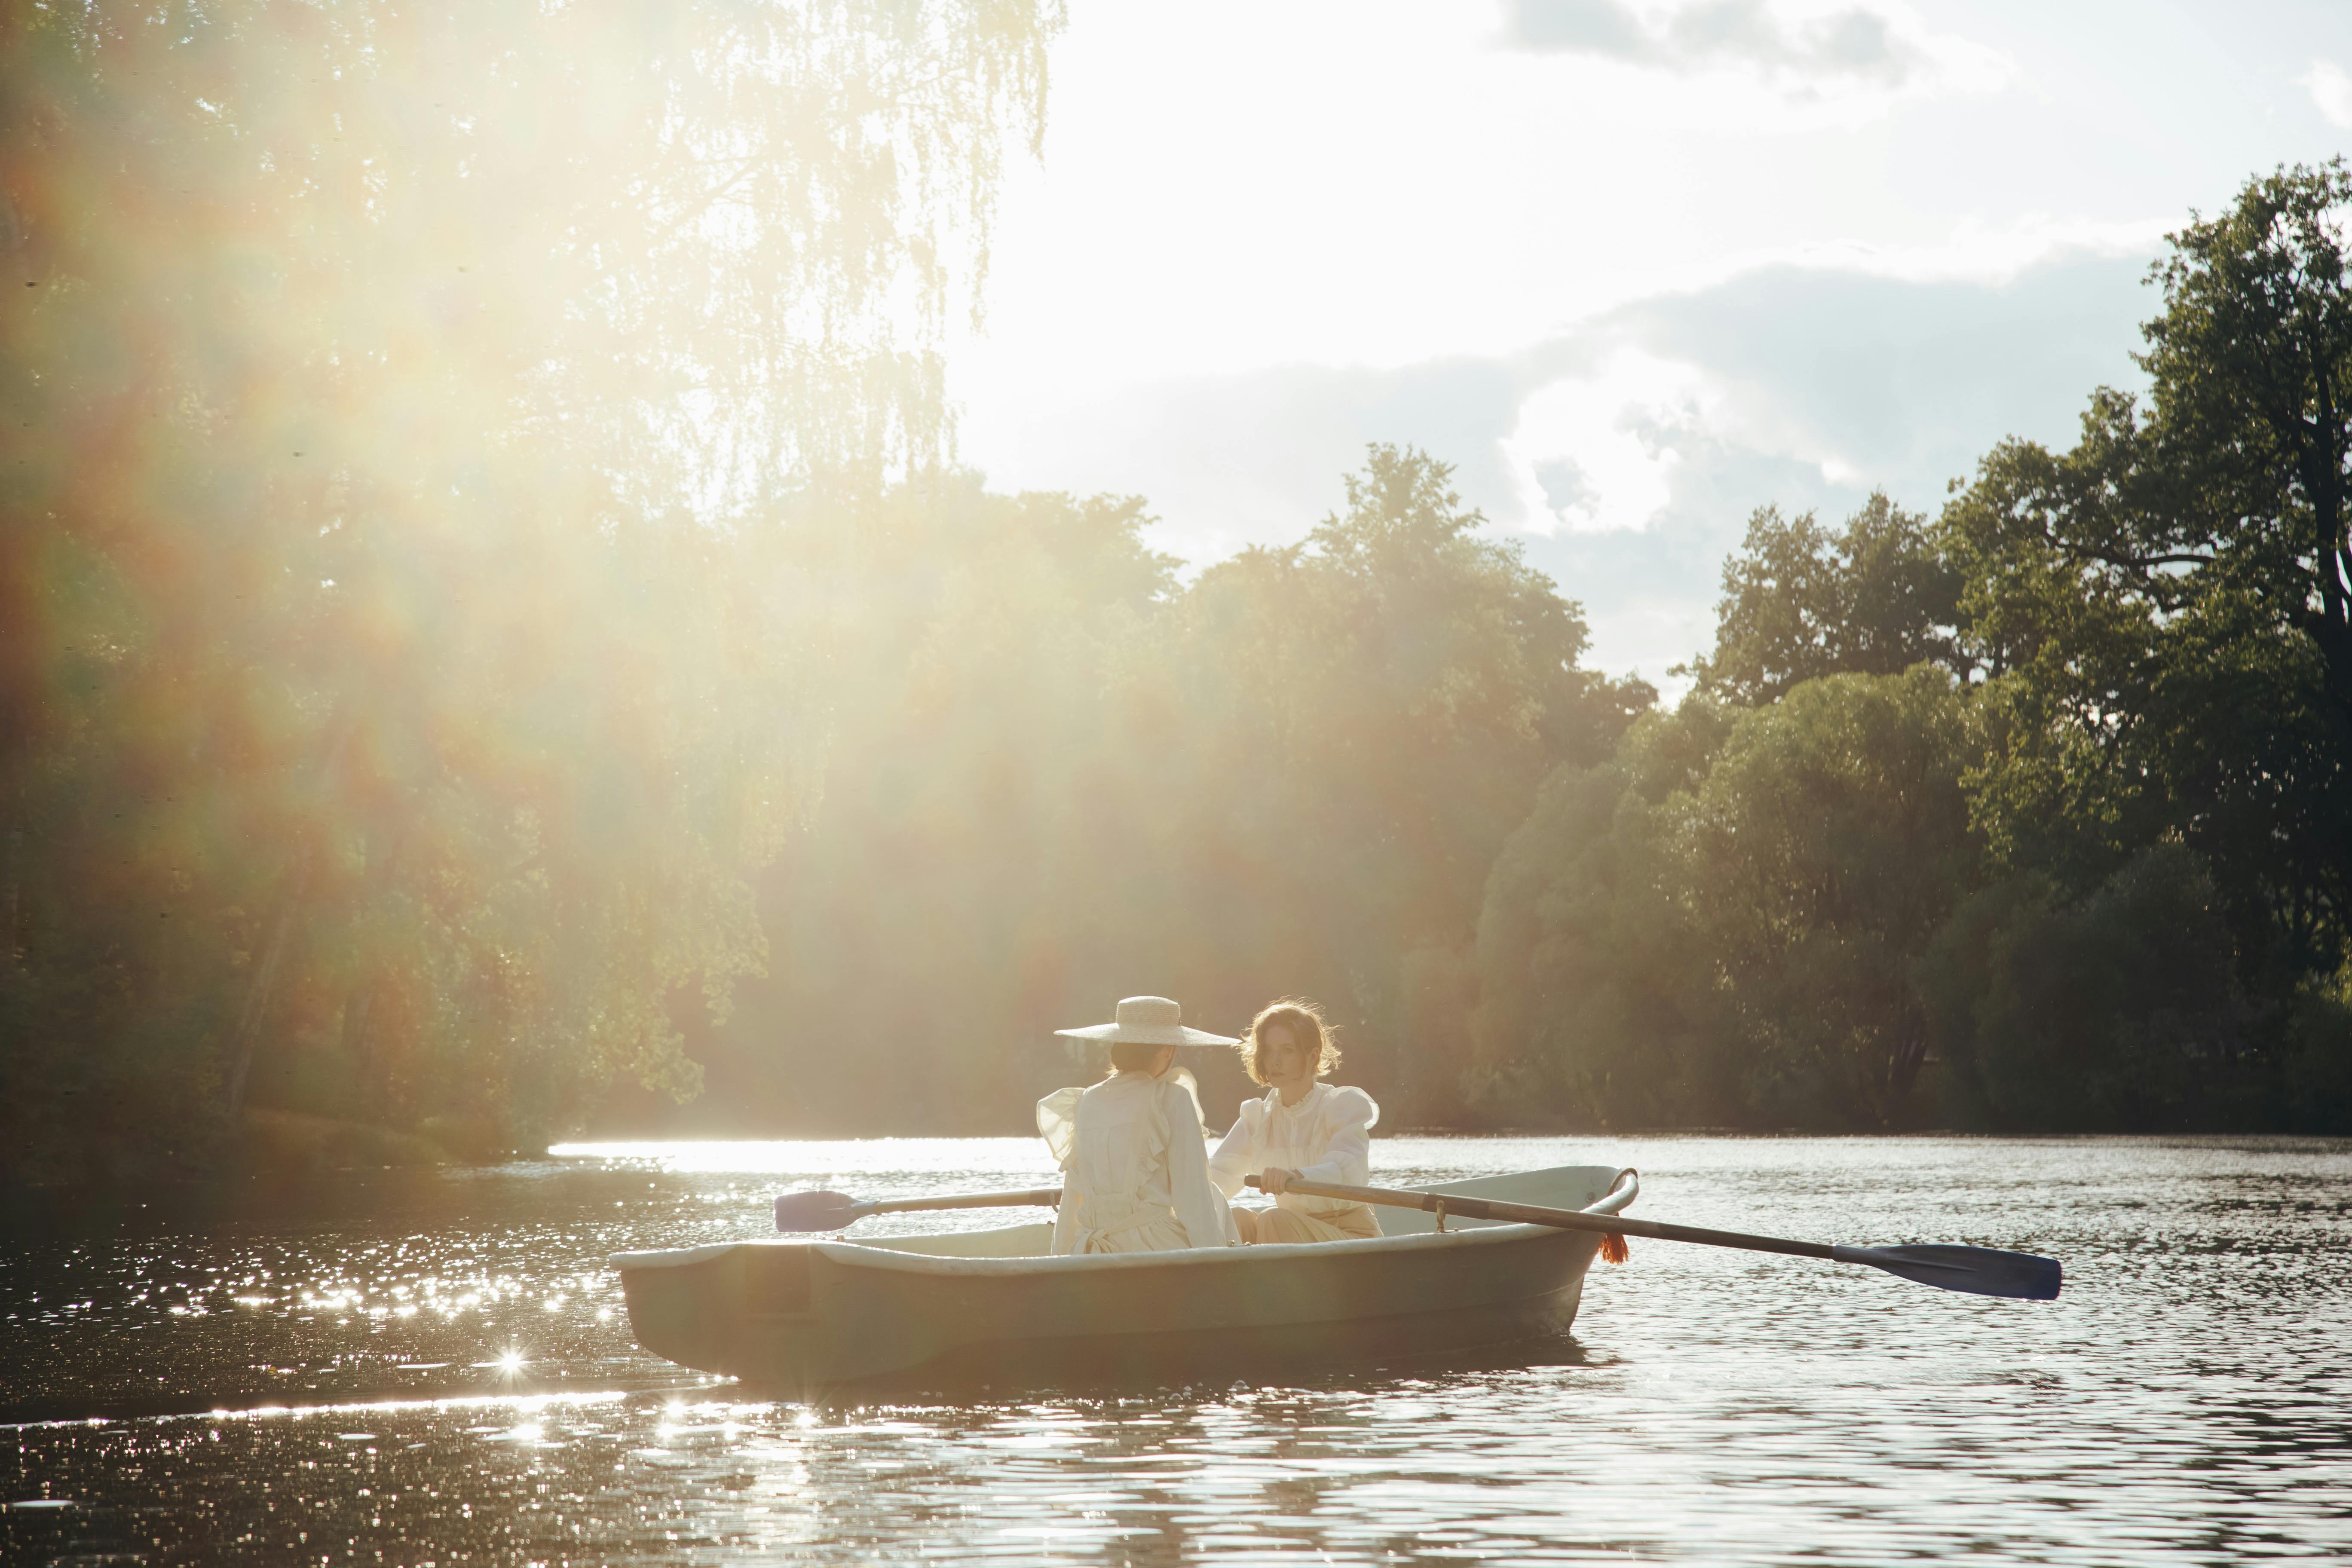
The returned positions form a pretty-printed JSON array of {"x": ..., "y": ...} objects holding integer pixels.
[{"x": 1635, "y": 268}]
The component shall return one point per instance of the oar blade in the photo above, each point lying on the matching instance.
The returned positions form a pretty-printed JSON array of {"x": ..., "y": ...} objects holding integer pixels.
[
  {"x": 817, "y": 1211},
  {"x": 1978, "y": 1270}
]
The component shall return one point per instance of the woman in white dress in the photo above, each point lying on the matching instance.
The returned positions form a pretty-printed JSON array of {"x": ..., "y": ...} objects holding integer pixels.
[
  {"x": 1135, "y": 1166},
  {"x": 1301, "y": 1129}
]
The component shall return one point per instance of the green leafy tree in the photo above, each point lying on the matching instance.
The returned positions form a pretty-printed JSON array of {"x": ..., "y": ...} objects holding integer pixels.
[
  {"x": 967, "y": 872},
  {"x": 1598, "y": 1004},
  {"x": 1827, "y": 846},
  {"x": 1053, "y": 778},
  {"x": 2251, "y": 372},
  {"x": 2118, "y": 1012},
  {"x": 2164, "y": 606},
  {"x": 393, "y": 715},
  {"x": 1800, "y": 602},
  {"x": 1377, "y": 709}
]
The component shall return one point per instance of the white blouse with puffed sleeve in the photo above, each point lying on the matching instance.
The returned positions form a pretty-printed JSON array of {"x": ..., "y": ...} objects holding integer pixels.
[{"x": 1325, "y": 1137}]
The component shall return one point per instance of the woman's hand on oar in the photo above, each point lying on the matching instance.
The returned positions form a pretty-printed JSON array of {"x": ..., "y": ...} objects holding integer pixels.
[
  {"x": 1979, "y": 1271},
  {"x": 832, "y": 1211}
]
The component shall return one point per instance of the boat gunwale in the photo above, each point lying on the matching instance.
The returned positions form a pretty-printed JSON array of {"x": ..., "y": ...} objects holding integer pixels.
[{"x": 851, "y": 1254}]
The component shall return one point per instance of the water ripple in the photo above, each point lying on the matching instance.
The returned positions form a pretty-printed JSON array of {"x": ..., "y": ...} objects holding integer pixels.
[{"x": 454, "y": 1382}]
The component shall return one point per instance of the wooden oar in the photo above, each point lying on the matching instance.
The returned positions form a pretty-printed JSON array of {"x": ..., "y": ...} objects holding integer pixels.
[
  {"x": 831, "y": 1211},
  {"x": 1979, "y": 1271}
]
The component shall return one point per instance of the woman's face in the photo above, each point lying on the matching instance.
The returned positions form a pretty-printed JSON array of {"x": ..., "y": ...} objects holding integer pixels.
[{"x": 1283, "y": 1059}]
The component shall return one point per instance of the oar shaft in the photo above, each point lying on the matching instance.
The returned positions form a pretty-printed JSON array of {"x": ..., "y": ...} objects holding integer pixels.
[
  {"x": 1035, "y": 1197},
  {"x": 1468, "y": 1207},
  {"x": 1978, "y": 1270}
]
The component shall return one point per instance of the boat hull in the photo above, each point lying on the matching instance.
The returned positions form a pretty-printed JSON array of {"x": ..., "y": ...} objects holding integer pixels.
[{"x": 803, "y": 1317}]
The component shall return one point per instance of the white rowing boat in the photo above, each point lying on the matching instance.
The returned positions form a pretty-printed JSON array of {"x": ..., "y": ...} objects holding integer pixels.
[{"x": 988, "y": 1307}]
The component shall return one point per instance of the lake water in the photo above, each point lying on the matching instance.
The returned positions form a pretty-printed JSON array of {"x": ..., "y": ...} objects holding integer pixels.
[{"x": 450, "y": 1378}]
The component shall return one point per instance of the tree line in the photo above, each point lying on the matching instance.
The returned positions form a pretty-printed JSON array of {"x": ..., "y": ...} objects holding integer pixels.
[
  {"x": 2036, "y": 814},
  {"x": 1055, "y": 775},
  {"x": 492, "y": 646}
]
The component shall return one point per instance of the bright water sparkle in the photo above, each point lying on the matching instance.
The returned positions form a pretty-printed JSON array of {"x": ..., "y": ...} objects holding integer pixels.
[{"x": 456, "y": 1381}]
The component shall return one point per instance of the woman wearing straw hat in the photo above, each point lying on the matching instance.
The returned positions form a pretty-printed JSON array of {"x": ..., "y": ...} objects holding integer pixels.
[
  {"x": 1134, "y": 1164},
  {"x": 1301, "y": 1129}
]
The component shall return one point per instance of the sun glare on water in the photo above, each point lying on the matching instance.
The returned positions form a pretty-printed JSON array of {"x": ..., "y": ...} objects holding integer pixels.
[{"x": 816, "y": 1156}]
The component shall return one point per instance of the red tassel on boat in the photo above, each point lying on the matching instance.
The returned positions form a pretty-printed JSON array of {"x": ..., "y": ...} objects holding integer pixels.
[{"x": 1613, "y": 1248}]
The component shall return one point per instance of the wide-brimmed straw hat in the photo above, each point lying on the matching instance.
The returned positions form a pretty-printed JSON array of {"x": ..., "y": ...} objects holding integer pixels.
[{"x": 1148, "y": 1021}]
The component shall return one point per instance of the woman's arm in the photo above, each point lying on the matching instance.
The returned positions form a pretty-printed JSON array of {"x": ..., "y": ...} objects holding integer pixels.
[
  {"x": 1237, "y": 1157},
  {"x": 1347, "y": 1151},
  {"x": 1058, "y": 1124},
  {"x": 1199, "y": 1207}
]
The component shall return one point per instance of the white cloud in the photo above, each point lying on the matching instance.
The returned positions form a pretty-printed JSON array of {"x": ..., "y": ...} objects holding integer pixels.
[
  {"x": 1598, "y": 451},
  {"x": 1808, "y": 48},
  {"x": 1734, "y": 255},
  {"x": 1972, "y": 252},
  {"x": 1628, "y": 449},
  {"x": 1378, "y": 185},
  {"x": 2331, "y": 89}
]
